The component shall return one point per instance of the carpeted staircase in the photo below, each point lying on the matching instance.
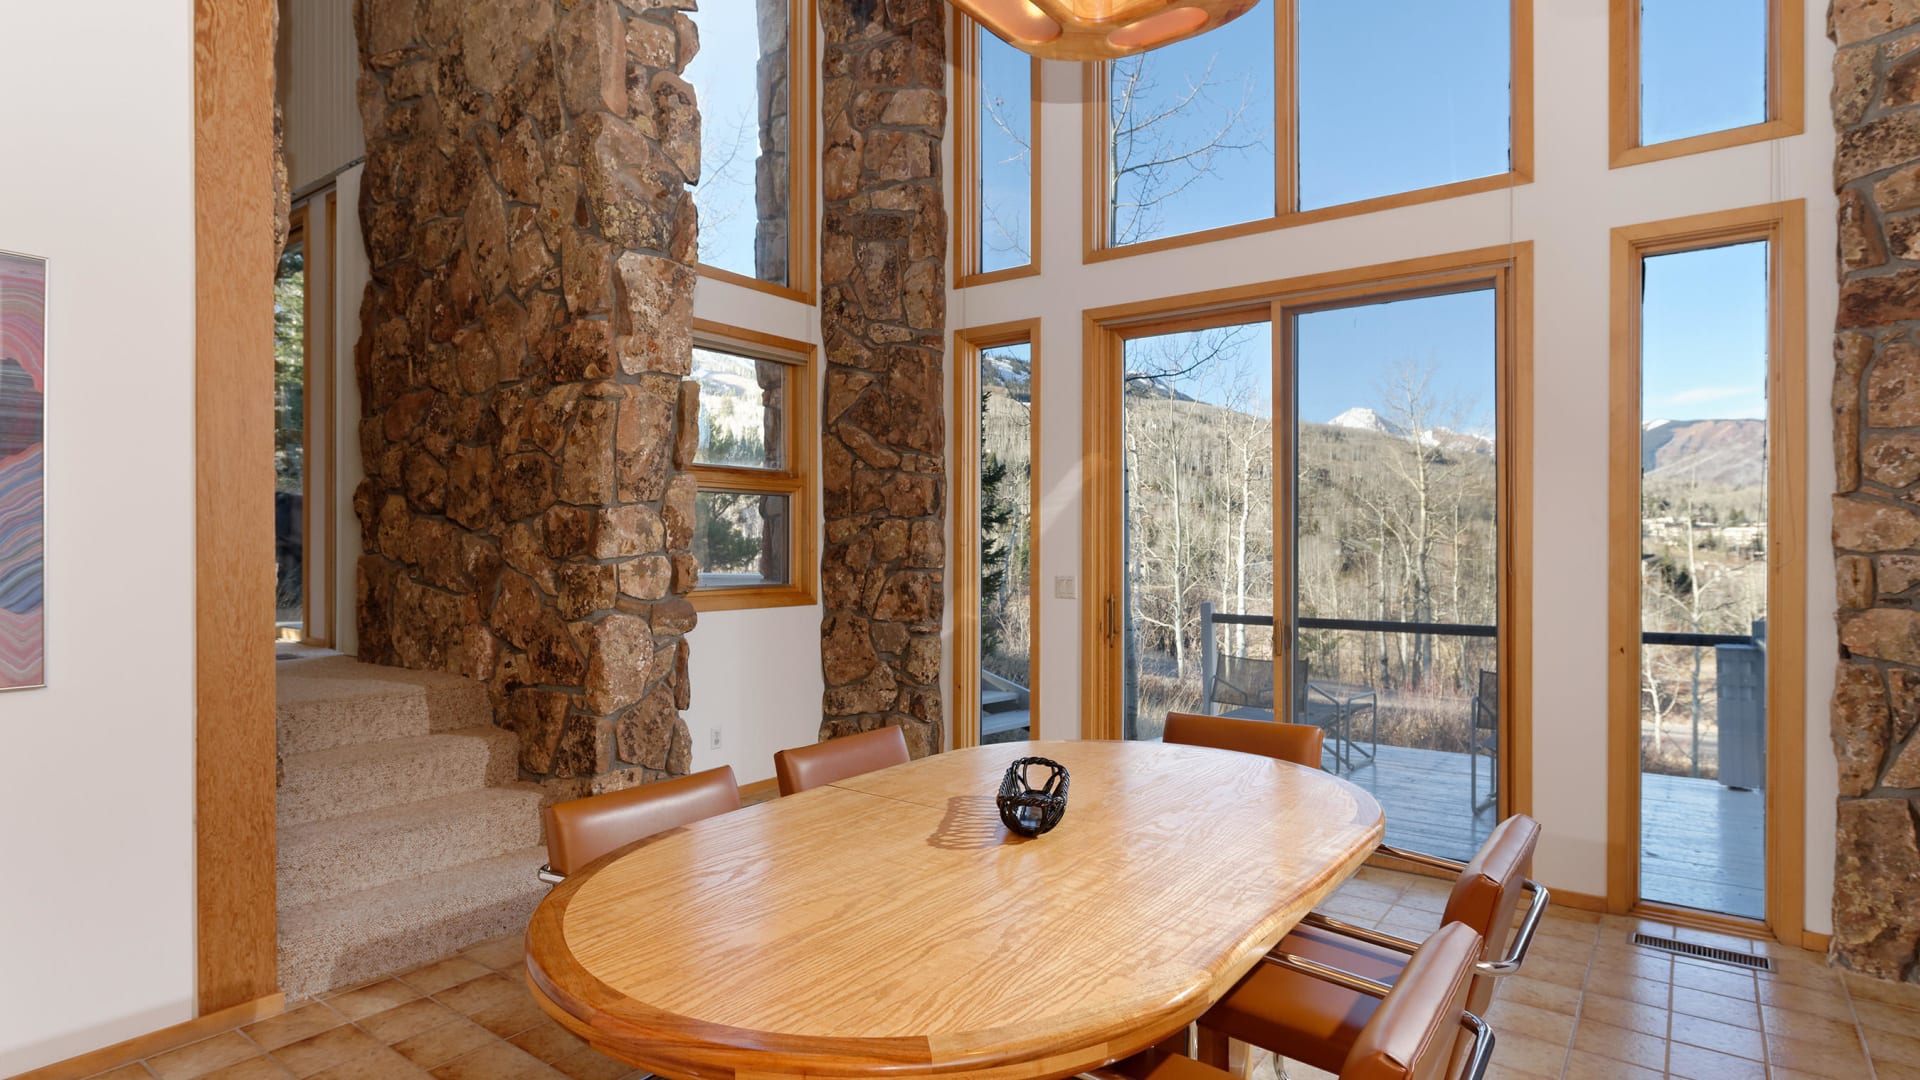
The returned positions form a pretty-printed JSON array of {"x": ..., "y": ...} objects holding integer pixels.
[{"x": 404, "y": 835}]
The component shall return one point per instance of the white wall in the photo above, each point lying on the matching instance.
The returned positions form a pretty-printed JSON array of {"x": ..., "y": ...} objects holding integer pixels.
[
  {"x": 1567, "y": 212},
  {"x": 96, "y": 919},
  {"x": 755, "y": 673}
]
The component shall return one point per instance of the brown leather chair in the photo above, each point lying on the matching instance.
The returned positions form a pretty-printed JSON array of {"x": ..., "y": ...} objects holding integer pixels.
[
  {"x": 805, "y": 767},
  {"x": 1298, "y": 743},
  {"x": 1409, "y": 1030},
  {"x": 1292, "y": 1015},
  {"x": 581, "y": 830}
]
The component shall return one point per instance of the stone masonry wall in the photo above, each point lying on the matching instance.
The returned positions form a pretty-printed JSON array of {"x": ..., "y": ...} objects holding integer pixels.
[
  {"x": 883, "y": 320},
  {"x": 524, "y": 338},
  {"x": 1876, "y": 514}
]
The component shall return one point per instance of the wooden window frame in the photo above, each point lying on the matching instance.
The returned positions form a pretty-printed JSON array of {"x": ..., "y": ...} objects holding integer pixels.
[
  {"x": 297, "y": 221},
  {"x": 966, "y": 193},
  {"x": 803, "y": 156},
  {"x": 797, "y": 481},
  {"x": 1507, "y": 268},
  {"x": 968, "y": 347},
  {"x": 1096, "y": 113},
  {"x": 317, "y": 571},
  {"x": 1783, "y": 227},
  {"x": 1786, "y": 88}
]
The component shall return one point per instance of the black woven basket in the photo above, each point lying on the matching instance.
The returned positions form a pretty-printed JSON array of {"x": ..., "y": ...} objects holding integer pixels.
[{"x": 1028, "y": 809}]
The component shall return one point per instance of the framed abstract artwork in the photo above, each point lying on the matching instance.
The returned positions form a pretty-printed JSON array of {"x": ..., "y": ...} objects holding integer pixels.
[{"x": 23, "y": 381}]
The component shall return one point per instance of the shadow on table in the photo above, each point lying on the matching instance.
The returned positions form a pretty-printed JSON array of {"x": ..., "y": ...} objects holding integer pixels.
[{"x": 970, "y": 823}]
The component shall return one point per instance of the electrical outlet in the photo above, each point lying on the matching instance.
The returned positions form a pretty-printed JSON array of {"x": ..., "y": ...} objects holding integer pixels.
[
  {"x": 1065, "y": 588},
  {"x": 713, "y": 738}
]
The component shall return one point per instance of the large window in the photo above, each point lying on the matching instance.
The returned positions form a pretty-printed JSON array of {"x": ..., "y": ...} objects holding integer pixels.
[
  {"x": 1694, "y": 75},
  {"x": 753, "y": 532},
  {"x": 996, "y": 658},
  {"x": 1281, "y": 119},
  {"x": 1307, "y": 511},
  {"x": 997, "y": 125},
  {"x": 1706, "y": 619},
  {"x": 753, "y": 156}
]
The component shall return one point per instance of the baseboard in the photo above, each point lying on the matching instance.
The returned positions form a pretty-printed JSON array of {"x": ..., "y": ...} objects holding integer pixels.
[
  {"x": 159, "y": 1042},
  {"x": 1579, "y": 901},
  {"x": 1812, "y": 942}
]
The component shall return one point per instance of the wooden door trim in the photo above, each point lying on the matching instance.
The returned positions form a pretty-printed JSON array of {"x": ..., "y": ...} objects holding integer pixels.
[
  {"x": 1783, "y": 226},
  {"x": 968, "y": 345},
  {"x": 1508, "y": 267},
  {"x": 235, "y": 920}
]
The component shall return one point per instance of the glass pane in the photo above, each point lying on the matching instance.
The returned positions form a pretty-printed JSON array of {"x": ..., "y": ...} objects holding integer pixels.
[
  {"x": 1006, "y": 543},
  {"x": 1198, "y": 507},
  {"x": 1005, "y": 167},
  {"x": 1191, "y": 133},
  {"x": 1401, "y": 95},
  {"x": 1703, "y": 67},
  {"x": 744, "y": 131},
  {"x": 1703, "y": 579},
  {"x": 740, "y": 539},
  {"x": 742, "y": 410},
  {"x": 1397, "y": 565},
  {"x": 289, "y": 436}
]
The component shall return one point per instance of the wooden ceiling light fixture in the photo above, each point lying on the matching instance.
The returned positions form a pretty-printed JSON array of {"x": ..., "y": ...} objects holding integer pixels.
[{"x": 1098, "y": 29}]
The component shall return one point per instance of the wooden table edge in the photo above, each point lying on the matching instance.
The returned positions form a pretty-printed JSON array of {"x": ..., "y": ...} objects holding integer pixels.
[{"x": 682, "y": 1048}]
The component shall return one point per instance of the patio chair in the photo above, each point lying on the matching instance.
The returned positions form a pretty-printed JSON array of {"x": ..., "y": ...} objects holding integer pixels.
[
  {"x": 1243, "y": 685},
  {"x": 1333, "y": 710},
  {"x": 1483, "y": 737}
]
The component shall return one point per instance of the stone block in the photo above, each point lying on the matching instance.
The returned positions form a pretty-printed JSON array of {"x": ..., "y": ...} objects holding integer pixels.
[{"x": 1876, "y": 907}]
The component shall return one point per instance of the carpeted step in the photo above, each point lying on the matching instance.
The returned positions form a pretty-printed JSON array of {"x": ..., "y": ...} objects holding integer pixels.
[
  {"x": 377, "y": 932},
  {"x": 333, "y": 700},
  {"x": 336, "y": 856},
  {"x": 352, "y": 779}
]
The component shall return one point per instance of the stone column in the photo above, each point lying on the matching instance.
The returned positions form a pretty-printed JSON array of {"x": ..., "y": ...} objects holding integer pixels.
[
  {"x": 883, "y": 320},
  {"x": 524, "y": 338},
  {"x": 1876, "y": 514}
]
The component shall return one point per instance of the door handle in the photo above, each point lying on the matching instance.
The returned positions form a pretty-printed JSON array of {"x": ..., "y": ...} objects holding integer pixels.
[{"x": 1113, "y": 622}]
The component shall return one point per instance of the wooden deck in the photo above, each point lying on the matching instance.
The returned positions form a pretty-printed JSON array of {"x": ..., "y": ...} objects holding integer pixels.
[{"x": 1702, "y": 844}]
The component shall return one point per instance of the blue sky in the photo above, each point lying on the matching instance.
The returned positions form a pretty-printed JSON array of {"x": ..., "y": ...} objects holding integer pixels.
[
  {"x": 1704, "y": 334},
  {"x": 1006, "y": 90},
  {"x": 723, "y": 78},
  {"x": 1398, "y": 95},
  {"x": 1423, "y": 80}
]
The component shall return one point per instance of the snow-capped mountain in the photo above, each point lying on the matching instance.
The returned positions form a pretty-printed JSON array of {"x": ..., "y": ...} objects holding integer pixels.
[{"x": 1362, "y": 418}]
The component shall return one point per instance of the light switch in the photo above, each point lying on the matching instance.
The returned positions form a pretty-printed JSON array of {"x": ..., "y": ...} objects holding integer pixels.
[{"x": 1064, "y": 588}]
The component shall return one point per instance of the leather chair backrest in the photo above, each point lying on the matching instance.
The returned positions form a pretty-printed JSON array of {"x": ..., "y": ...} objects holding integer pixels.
[
  {"x": 581, "y": 830},
  {"x": 1488, "y": 891},
  {"x": 1413, "y": 1033},
  {"x": 1298, "y": 743},
  {"x": 806, "y": 767}
]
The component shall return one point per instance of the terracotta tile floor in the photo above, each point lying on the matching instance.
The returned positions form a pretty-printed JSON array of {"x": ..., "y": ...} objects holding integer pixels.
[{"x": 1589, "y": 1005}]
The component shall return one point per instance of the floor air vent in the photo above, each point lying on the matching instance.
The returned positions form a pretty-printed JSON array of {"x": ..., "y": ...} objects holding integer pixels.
[{"x": 1704, "y": 952}]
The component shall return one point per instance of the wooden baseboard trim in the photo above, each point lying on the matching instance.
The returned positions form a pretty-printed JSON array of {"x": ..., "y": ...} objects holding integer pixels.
[
  {"x": 159, "y": 1042},
  {"x": 1812, "y": 942},
  {"x": 1579, "y": 901}
]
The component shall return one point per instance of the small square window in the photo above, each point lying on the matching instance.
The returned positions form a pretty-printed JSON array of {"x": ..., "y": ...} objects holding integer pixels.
[
  {"x": 741, "y": 538},
  {"x": 742, "y": 410}
]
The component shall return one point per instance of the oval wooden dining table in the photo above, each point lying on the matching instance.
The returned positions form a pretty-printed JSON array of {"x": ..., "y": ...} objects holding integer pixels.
[{"x": 890, "y": 926}]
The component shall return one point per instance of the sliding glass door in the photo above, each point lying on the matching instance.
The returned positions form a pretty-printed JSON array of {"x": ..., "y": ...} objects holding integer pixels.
[
  {"x": 1395, "y": 556},
  {"x": 1301, "y": 507},
  {"x": 1197, "y": 537}
]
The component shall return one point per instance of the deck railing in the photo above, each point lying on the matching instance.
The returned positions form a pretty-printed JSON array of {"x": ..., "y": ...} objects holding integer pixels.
[{"x": 1740, "y": 713}]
